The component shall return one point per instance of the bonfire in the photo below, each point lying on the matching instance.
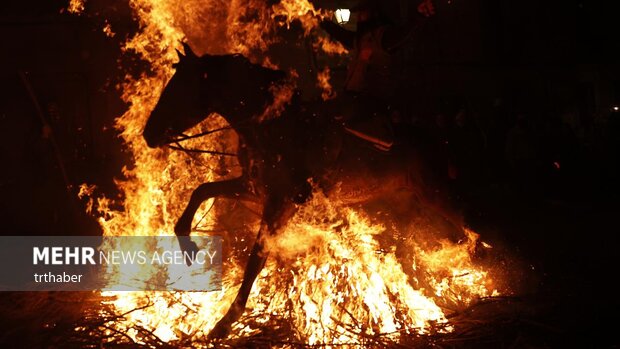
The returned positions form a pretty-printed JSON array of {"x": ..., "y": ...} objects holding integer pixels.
[{"x": 339, "y": 275}]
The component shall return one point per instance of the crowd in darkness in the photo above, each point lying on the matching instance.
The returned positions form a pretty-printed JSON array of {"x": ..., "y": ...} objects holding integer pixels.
[
  {"x": 565, "y": 156},
  {"x": 528, "y": 143}
]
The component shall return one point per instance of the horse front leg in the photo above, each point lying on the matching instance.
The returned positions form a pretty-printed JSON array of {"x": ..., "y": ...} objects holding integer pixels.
[
  {"x": 276, "y": 213},
  {"x": 233, "y": 188}
]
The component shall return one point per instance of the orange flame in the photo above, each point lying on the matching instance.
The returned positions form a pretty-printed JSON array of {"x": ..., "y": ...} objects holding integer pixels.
[
  {"x": 330, "y": 47},
  {"x": 107, "y": 30},
  {"x": 76, "y": 7},
  {"x": 282, "y": 95},
  {"x": 327, "y": 92},
  {"x": 341, "y": 284}
]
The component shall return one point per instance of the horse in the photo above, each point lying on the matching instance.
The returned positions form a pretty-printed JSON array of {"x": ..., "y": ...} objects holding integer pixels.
[{"x": 279, "y": 157}]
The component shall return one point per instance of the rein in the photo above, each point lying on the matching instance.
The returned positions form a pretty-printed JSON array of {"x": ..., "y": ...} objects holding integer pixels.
[{"x": 177, "y": 141}]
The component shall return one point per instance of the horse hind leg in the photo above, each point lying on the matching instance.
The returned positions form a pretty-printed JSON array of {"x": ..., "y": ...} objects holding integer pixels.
[
  {"x": 233, "y": 188},
  {"x": 275, "y": 215},
  {"x": 257, "y": 260}
]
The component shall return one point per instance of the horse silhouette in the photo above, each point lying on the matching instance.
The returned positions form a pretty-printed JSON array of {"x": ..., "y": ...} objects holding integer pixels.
[{"x": 279, "y": 156}]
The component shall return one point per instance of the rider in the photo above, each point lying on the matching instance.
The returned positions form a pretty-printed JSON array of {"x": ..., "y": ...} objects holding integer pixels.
[{"x": 370, "y": 84}]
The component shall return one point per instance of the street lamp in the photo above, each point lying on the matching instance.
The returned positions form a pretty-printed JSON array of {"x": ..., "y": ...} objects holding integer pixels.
[{"x": 342, "y": 15}]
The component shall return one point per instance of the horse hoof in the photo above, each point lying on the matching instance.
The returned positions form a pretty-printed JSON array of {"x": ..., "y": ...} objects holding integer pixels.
[{"x": 189, "y": 249}]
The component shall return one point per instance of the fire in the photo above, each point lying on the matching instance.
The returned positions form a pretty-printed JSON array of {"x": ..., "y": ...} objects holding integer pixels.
[
  {"x": 330, "y": 47},
  {"x": 107, "y": 30},
  {"x": 327, "y": 92},
  {"x": 300, "y": 10},
  {"x": 330, "y": 277},
  {"x": 76, "y": 7},
  {"x": 342, "y": 281},
  {"x": 451, "y": 273},
  {"x": 282, "y": 97}
]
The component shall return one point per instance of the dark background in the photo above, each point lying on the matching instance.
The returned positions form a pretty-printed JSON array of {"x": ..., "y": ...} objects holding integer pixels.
[{"x": 553, "y": 64}]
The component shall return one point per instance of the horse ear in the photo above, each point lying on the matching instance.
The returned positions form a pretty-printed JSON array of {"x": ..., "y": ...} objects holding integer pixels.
[
  {"x": 181, "y": 56},
  {"x": 188, "y": 51}
]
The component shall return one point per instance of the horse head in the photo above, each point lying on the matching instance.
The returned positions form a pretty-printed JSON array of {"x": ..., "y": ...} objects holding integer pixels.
[{"x": 229, "y": 85}]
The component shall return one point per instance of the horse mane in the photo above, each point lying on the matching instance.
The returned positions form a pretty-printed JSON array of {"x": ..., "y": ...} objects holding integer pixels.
[{"x": 273, "y": 76}]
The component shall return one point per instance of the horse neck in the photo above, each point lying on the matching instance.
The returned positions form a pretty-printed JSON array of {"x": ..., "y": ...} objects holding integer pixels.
[
  {"x": 242, "y": 120},
  {"x": 244, "y": 117}
]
